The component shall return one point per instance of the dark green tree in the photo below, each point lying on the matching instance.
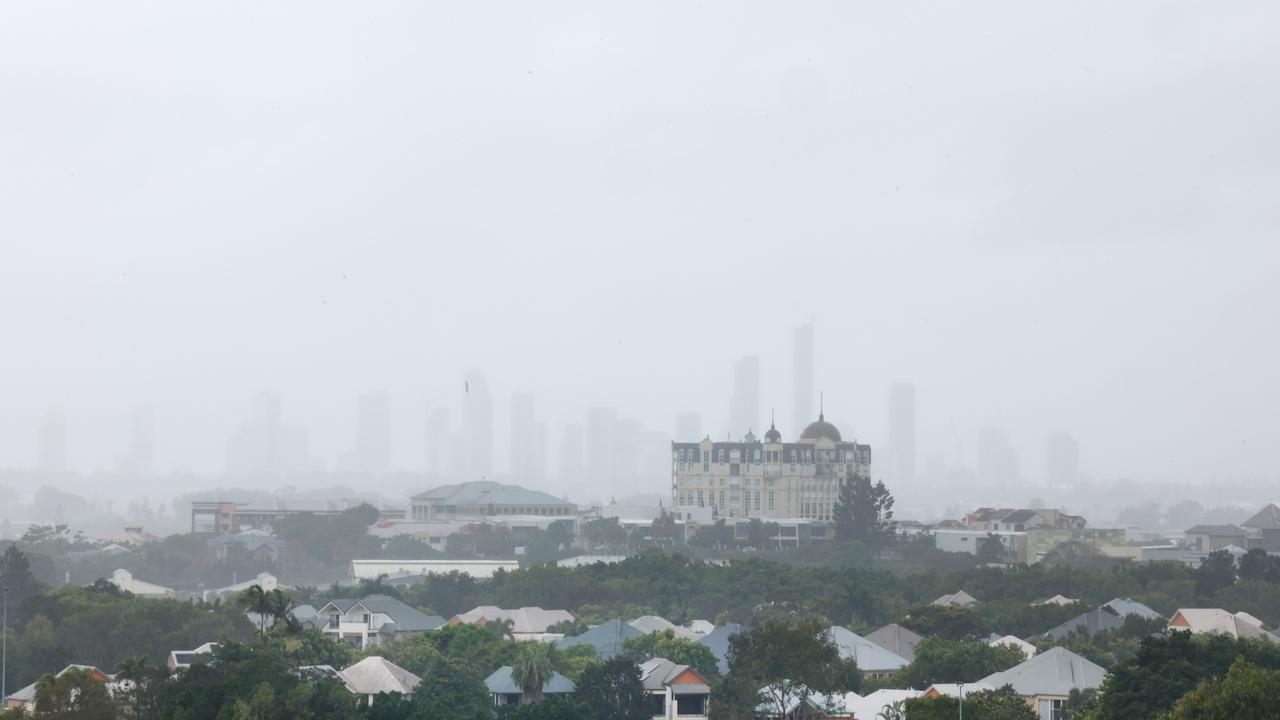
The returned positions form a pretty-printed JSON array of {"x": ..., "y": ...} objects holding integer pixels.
[
  {"x": 73, "y": 695},
  {"x": 951, "y": 623},
  {"x": 952, "y": 661},
  {"x": 1248, "y": 692},
  {"x": 15, "y": 574},
  {"x": 1002, "y": 704},
  {"x": 532, "y": 670},
  {"x": 778, "y": 665},
  {"x": 613, "y": 691},
  {"x": 864, "y": 511},
  {"x": 681, "y": 651},
  {"x": 1216, "y": 572},
  {"x": 990, "y": 550},
  {"x": 1258, "y": 565}
]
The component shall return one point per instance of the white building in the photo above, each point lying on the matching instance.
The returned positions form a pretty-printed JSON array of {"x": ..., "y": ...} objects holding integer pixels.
[
  {"x": 370, "y": 569},
  {"x": 125, "y": 580}
]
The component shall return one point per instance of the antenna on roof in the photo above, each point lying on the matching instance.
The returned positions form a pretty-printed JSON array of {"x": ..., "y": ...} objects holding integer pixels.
[{"x": 820, "y": 407}]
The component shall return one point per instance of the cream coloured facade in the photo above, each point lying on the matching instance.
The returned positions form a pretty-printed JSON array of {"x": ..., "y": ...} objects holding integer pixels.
[{"x": 768, "y": 479}]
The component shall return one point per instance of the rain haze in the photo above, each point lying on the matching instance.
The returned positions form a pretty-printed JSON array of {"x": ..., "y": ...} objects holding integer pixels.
[{"x": 449, "y": 240}]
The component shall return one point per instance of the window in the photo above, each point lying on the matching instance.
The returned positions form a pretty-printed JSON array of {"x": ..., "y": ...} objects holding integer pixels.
[
  {"x": 757, "y": 501},
  {"x": 1052, "y": 709},
  {"x": 771, "y": 500}
]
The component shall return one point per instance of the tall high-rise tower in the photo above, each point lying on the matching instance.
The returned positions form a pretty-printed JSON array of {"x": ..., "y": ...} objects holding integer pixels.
[
  {"x": 902, "y": 433},
  {"x": 528, "y": 440},
  {"x": 373, "y": 433},
  {"x": 802, "y": 375},
  {"x": 139, "y": 456},
  {"x": 477, "y": 427},
  {"x": 1061, "y": 460},
  {"x": 51, "y": 441},
  {"x": 744, "y": 404}
]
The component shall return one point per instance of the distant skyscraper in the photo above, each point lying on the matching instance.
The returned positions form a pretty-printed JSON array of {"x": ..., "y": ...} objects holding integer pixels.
[
  {"x": 569, "y": 465},
  {"x": 1062, "y": 460},
  {"x": 51, "y": 441},
  {"x": 139, "y": 456},
  {"x": 442, "y": 450},
  {"x": 997, "y": 461},
  {"x": 744, "y": 405},
  {"x": 688, "y": 426},
  {"x": 601, "y": 448},
  {"x": 902, "y": 433},
  {"x": 528, "y": 441},
  {"x": 802, "y": 377},
  {"x": 373, "y": 434},
  {"x": 264, "y": 446},
  {"x": 477, "y": 427}
]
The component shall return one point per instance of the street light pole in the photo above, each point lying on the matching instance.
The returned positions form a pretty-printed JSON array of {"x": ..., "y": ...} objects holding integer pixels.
[{"x": 961, "y": 694}]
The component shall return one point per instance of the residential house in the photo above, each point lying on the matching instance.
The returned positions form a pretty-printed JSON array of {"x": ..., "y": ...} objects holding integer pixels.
[
  {"x": 700, "y": 627},
  {"x": 372, "y": 621},
  {"x": 25, "y": 699},
  {"x": 649, "y": 624},
  {"x": 608, "y": 638},
  {"x": 1264, "y": 528},
  {"x": 957, "y": 599},
  {"x": 506, "y": 691},
  {"x": 487, "y": 501},
  {"x": 180, "y": 659},
  {"x": 1060, "y": 520},
  {"x": 526, "y": 623},
  {"x": 961, "y": 540},
  {"x": 260, "y": 545},
  {"x": 374, "y": 675},
  {"x": 955, "y": 690},
  {"x": 1216, "y": 621},
  {"x": 125, "y": 580},
  {"x": 850, "y": 706},
  {"x": 897, "y": 640},
  {"x": 1108, "y": 616},
  {"x": 264, "y": 580},
  {"x": 718, "y": 643},
  {"x": 675, "y": 691},
  {"x": 1047, "y": 680},
  {"x": 1006, "y": 519},
  {"x": 1028, "y": 650},
  {"x": 872, "y": 659},
  {"x": 1208, "y": 538}
]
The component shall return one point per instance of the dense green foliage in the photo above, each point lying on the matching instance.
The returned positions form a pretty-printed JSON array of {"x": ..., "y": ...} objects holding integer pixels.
[
  {"x": 864, "y": 511},
  {"x": 1001, "y": 704},
  {"x": 1248, "y": 692},
  {"x": 681, "y": 651},
  {"x": 778, "y": 665},
  {"x": 938, "y": 660}
]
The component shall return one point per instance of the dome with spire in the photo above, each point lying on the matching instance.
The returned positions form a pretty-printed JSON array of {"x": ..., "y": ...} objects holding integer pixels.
[
  {"x": 773, "y": 436},
  {"x": 820, "y": 429}
]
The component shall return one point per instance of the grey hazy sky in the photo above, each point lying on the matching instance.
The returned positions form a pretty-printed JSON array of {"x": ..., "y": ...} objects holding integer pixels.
[{"x": 1049, "y": 216}]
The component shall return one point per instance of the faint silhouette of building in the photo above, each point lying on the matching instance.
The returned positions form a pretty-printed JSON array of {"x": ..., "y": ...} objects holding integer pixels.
[
  {"x": 688, "y": 425},
  {"x": 139, "y": 455},
  {"x": 528, "y": 440},
  {"x": 997, "y": 461},
  {"x": 51, "y": 441},
  {"x": 601, "y": 448},
  {"x": 570, "y": 464},
  {"x": 477, "y": 427},
  {"x": 744, "y": 404},
  {"x": 372, "y": 454},
  {"x": 1061, "y": 460},
  {"x": 264, "y": 445},
  {"x": 902, "y": 433},
  {"x": 444, "y": 447},
  {"x": 802, "y": 374}
]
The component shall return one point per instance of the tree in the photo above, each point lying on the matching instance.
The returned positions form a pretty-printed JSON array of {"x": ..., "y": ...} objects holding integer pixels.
[
  {"x": 15, "y": 574},
  {"x": 1217, "y": 571},
  {"x": 532, "y": 670},
  {"x": 952, "y": 661},
  {"x": 613, "y": 691},
  {"x": 1248, "y": 692},
  {"x": 377, "y": 586},
  {"x": 604, "y": 532},
  {"x": 681, "y": 651},
  {"x": 760, "y": 534},
  {"x": 778, "y": 665},
  {"x": 1002, "y": 704},
  {"x": 556, "y": 708},
  {"x": 256, "y": 600},
  {"x": 990, "y": 550},
  {"x": 74, "y": 695},
  {"x": 1258, "y": 565},
  {"x": 449, "y": 691},
  {"x": 951, "y": 623},
  {"x": 864, "y": 511},
  {"x": 717, "y": 535}
]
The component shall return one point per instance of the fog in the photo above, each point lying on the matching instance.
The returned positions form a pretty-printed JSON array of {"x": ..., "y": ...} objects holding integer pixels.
[{"x": 1048, "y": 219}]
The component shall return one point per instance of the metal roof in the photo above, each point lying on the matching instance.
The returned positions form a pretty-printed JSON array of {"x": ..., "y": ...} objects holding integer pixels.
[
  {"x": 374, "y": 675},
  {"x": 869, "y": 656},
  {"x": 482, "y": 492},
  {"x": 501, "y": 682},
  {"x": 407, "y": 619},
  {"x": 1056, "y": 671},
  {"x": 608, "y": 638},
  {"x": 717, "y": 641},
  {"x": 897, "y": 640}
]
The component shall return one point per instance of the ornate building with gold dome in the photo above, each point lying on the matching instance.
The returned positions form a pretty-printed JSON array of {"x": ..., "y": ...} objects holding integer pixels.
[{"x": 768, "y": 479}]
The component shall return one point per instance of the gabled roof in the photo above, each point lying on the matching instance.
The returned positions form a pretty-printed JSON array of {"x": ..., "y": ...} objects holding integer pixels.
[
  {"x": 648, "y": 624},
  {"x": 897, "y": 640},
  {"x": 717, "y": 641},
  {"x": 1268, "y": 518},
  {"x": 1108, "y": 616},
  {"x": 607, "y": 638},
  {"x": 1019, "y": 516},
  {"x": 700, "y": 627},
  {"x": 1216, "y": 530},
  {"x": 955, "y": 689},
  {"x": 660, "y": 673},
  {"x": 1056, "y": 600},
  {"x": 1124, "y": 607},
  {"x": 1216, "y": 621},
  {"x": 959, "y": 599},
  {"x": 482, "y": 492},
  {"x": 1028, "y": 650},
  {"x": 501, "y": 682},
  {"x": 1056, "y": 671},
  {"x": 406, "y": 618},
  {"x": 28, "y": 693},
  {"x": 526, "y": 620},
  {"x": 324, "y": 672},
  {"x": 869, "y": 656},
  {"x": 374, "y": 675}
]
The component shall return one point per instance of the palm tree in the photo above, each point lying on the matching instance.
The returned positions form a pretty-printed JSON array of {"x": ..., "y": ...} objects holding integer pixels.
[
  {"x": 894, "y": 711},
  {"x": 279, "y": 606},
  {"x": 532, "y": 670},
  {"x": 256, "y": 600}
]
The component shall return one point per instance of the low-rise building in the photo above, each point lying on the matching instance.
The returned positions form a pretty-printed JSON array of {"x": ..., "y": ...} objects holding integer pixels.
[
  {"x": 486, "y": 500},
  {"x": 956, "y": 599},
  {"x": 25, "y": 698},
  {"x": 649, "y": 624},
  {"x": 1216, "y": 621},
  {"x": 226, "y": 516},
  {"x": 1208, "y": 538},
  {"x": 1027, "y": 649},
  {"x": 970, "y": 541},
  {"x": 609, "y": 639},
  {"x": 504, "y": 689},
  {"x": 1264, "y": 528},
  {"x": 1108, "y": 616},
  {"x": 125, "y": 580},
  {"x": 1046, "y": 680},
  {"x": 676, "y": 692},
  {"x": 526, "y": 623},
  {"x": 372, "y": 621},
  {"x": 375, "y": 675},
  {"x": 478, "y": 569},
  {"x": 181, "y": 659},
  {"x": 264, "y": 580}
]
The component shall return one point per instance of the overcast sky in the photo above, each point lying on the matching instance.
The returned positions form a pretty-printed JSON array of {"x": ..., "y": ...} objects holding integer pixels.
[{"x": 1048, "y": 216}]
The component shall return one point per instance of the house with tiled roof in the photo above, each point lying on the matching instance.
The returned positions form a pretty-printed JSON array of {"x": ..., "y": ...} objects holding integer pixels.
[
  {"x": 372, "y": 621},
  {"x": 25, "y": 698},
  {"x": 1207, "y": 538},
  {"x": 1046, "y": 680},
  {"x": 608, "y": 639},
  {"x": 675, "y": 691},
  {"x": 504, "y": 689},
  {"x": 898, "y": 640},
  {"x": 1264, "y": 527},
  {"x": 1216, "y": 621},
  {"x": 526, "y": 623}
]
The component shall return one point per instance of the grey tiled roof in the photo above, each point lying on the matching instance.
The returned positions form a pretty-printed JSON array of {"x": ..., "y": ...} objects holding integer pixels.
[
  {"x": 501, "y": 682},
  {"x": 406, "y": 618},
  {"x": 897, "y": 640},
  {"x": 717, "y": 641},
  {"x": 1056, "y": 671},
  {"x": 607, "y": 638}
]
